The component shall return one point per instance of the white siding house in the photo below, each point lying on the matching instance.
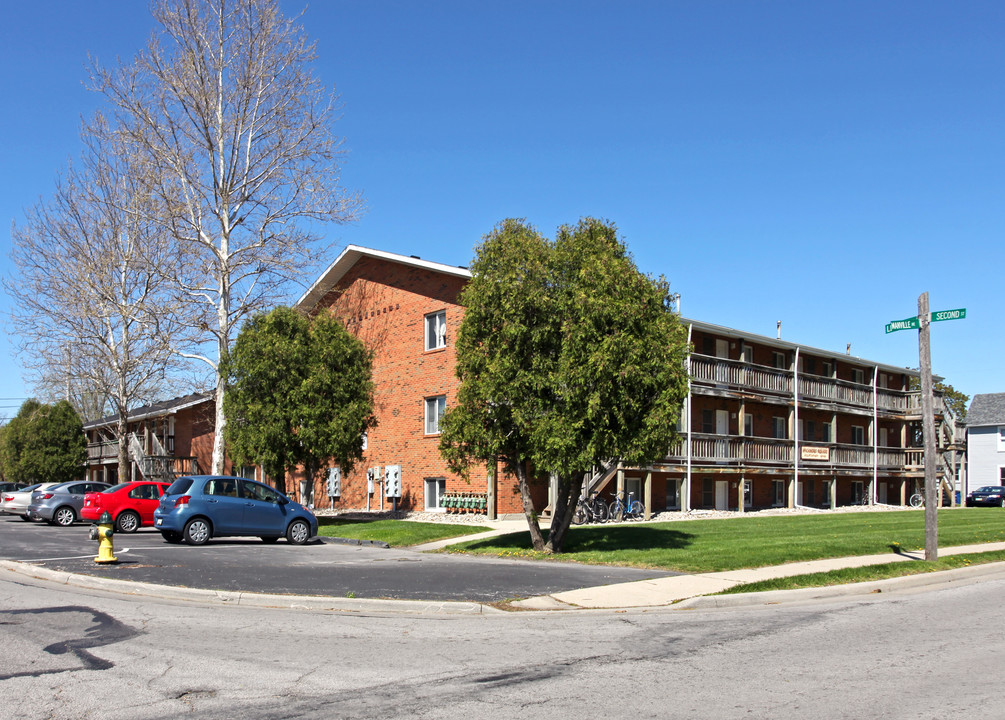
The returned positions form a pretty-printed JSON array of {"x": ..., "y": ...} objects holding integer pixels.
[{"x": 986, "y": 440}]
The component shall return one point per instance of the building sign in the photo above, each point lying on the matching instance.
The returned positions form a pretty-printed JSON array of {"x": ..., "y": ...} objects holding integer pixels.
[{"x": 815, "y": 453}]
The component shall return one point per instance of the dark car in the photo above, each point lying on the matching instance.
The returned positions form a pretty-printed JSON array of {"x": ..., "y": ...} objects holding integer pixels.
[
  {"x": 993, "y": 495},
  {"x": 199, "y": 507}
]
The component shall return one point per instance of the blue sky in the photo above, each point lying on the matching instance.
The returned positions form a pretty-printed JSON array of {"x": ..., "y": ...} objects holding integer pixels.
[{"x": 817, "y": 163}]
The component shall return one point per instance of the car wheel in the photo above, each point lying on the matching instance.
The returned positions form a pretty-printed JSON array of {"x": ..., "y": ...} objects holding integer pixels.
[
  {"x": 197, "y": 531},
  {"x": 269, "y": 539},
  {"x": 127, "y": 522},
  {"x": 64, "y": 516},
  {"x": 171, "y": 536},
  {"x": 25, "y": 518},
  {"x": 299, "y": 532}
]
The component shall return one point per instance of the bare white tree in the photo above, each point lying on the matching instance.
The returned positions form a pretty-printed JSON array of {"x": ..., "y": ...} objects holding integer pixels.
[
  {"x": 93, "y": 312},
  {"x": 238, "y": 132}
]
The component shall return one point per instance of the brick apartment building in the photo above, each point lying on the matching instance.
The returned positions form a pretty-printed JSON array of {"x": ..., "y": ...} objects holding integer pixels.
[{"x": 771, "y": 421}]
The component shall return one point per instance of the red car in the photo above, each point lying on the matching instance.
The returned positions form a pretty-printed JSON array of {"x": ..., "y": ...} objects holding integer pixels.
[{"x": 130, "y": 504}]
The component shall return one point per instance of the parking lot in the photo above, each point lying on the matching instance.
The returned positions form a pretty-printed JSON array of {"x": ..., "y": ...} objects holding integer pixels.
[{"x": 318, "y": 568}]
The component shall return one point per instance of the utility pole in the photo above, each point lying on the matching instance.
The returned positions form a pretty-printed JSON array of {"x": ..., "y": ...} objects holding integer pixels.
[
  {"x": 922, "y": 322},
  {"x": 928, "y": 426}
]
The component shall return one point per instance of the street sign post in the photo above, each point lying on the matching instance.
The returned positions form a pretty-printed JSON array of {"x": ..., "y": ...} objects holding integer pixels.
[
  {"x": 907, "y": 324},
  {"x": 927, "y": 409},
  {"x": 958, "y": 314},
  {"x": 912, "y": 323}
]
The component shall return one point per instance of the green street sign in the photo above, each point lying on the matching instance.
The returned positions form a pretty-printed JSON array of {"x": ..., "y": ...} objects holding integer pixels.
[
  {"x": 908, "y": 324},
  {"x": 958, "y": 314}
]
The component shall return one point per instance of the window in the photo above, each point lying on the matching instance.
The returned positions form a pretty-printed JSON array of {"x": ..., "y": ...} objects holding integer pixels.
[
  {"x": 857, "y": 435},
  {"x": 673, "y": 494},
  {"x": 828, "y": 368},
  {"x": 255, "y": 491},
  {"x": 1001, "y": 438},
  {"x": 748, "y": 493},
  {"x": 436, "y": 330},
  {"x": 435, "y": 407},
  {"x": 778, "y": 360},
  {"x": 226, "y": 487},
  {"x": 778, "y": 428},
  {"x": 708, "y": 421},
  {"x": 1001, "y": 475},
  {"x": 247, "y": 472},
  {"x": 825, "y": 432},
  {"x": 858, "y": 376},
  {"x": 857, "y": 492},
  {"x": 748, "y": 424},
  {"x": 435, "y": 487},
  {"x": 708, "y": 492},
  {"x": 778, "y": 490}
]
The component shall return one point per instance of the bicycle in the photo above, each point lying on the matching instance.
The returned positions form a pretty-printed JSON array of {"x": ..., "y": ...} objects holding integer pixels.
[
  {"x": 917, "y": 500},
  {"x": 621, "y": 510},
  {"x": 592, "y": 510}
]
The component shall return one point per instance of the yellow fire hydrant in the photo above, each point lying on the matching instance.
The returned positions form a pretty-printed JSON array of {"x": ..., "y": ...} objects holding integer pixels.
[{"x": 102, "y": 532}]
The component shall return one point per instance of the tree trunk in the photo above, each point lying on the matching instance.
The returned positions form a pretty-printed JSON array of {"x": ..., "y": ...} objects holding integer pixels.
[
  {"x": 122, "y": 432},
  {"x": 221, "y": 421},
  {"x": 565, "y": 504},
  {"x": 528, "y": 509}
]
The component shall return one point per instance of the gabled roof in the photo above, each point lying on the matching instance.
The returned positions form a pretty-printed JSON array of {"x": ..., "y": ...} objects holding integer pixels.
[
  {"x": 986, "y": 409},
  {"x": 351, "y": 255},
  {"x": 785, "y": 345},
  {"x": 160, "y": 409}
]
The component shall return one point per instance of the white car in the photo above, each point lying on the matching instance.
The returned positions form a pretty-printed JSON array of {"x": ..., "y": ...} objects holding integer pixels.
[{"x": 16, "y": 503}]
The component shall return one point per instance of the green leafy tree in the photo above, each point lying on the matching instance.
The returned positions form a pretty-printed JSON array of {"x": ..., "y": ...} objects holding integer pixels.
[
  {"x": 568, "y": 357},
  {"x": 299, "y": 393},
  {"x": 44, "y": 443}
]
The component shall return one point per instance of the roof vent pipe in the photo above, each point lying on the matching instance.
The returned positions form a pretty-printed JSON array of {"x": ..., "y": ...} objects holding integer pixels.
[
  {"x": 779, "y": 329},
  {"x": 847, "y": 350}
]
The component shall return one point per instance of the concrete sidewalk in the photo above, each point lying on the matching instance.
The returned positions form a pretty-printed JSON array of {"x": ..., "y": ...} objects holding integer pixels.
[{"x": 668, "y": 590}]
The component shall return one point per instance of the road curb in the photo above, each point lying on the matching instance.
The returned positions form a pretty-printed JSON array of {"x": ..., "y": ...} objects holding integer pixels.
[
  {"x": 957, "y": 576},
  {"x": 249, "y": 599}
]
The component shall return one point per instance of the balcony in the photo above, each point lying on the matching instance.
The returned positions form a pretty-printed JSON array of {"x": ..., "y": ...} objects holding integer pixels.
[
  {"x": 100, "y": 452},
  {"x": 737, "y": 450},
  {"x": 742, "y": 376}
]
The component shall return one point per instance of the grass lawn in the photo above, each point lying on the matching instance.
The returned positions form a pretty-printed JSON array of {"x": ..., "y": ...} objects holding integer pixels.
[
  {"x": 396, "y": 533},
  {"x": 714, "y": 545},
  {"x": 868, "y": 573}
]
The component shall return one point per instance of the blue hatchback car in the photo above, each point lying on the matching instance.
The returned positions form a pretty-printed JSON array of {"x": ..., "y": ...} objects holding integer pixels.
[{"x": 196, "y": 508}]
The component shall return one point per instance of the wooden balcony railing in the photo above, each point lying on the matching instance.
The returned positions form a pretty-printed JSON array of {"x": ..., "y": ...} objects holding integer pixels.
[
  {"x": 706, "y": 370},
  {"x": 735, "y": 449}
]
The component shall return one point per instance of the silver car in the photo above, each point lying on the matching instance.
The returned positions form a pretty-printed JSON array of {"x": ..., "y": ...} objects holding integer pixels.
[
  {"x": 16, "y": 502},
  {"x": 60, "y": 505}
]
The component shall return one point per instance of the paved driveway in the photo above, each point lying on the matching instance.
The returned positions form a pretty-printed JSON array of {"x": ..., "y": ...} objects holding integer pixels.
[{"x": 247, "y": 564}]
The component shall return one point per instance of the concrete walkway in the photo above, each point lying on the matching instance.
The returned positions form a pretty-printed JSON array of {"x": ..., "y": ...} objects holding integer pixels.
[{"x": 669, "y": 590}]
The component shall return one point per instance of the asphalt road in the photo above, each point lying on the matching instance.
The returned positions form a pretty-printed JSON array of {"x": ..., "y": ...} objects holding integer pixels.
[
  {"x": 85, "y": 654},
  {"x": 319, "y": 568}
]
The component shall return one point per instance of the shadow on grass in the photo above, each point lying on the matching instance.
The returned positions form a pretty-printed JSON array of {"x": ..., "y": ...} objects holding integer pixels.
[{"x": 597, "y": 539}]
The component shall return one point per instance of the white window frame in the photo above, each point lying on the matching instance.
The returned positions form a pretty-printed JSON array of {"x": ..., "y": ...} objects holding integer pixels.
[
  {"x": 779, "y": 428},
  {"x": 825, "y": 431},
  {"x": 857, "y": 491},
  {"x": 858, "y": 376},
  {"x": 1001, "y": 438},
  {"x": 435, "y": 329},
  {"x": 433, "y": 490},
  {"x": 858, "y": 435},
  {"x": 748, "y": 424},
  {"x": 435, "y": 408},
  {"x": 779, "y": 360}
]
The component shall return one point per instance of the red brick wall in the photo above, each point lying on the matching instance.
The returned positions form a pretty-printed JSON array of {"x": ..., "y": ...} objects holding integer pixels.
[{"x": 385, "y": 304}]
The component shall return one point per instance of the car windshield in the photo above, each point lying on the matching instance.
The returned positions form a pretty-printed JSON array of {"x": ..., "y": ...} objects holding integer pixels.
[
  {"x": 36, "y": 486},
  {"x": 990, "y": 488},
  {"x": 179, "y": 486}
]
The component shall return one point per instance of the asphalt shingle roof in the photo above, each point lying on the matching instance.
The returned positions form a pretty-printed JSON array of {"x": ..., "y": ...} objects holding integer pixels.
[{"x": 987, "y": 409}]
